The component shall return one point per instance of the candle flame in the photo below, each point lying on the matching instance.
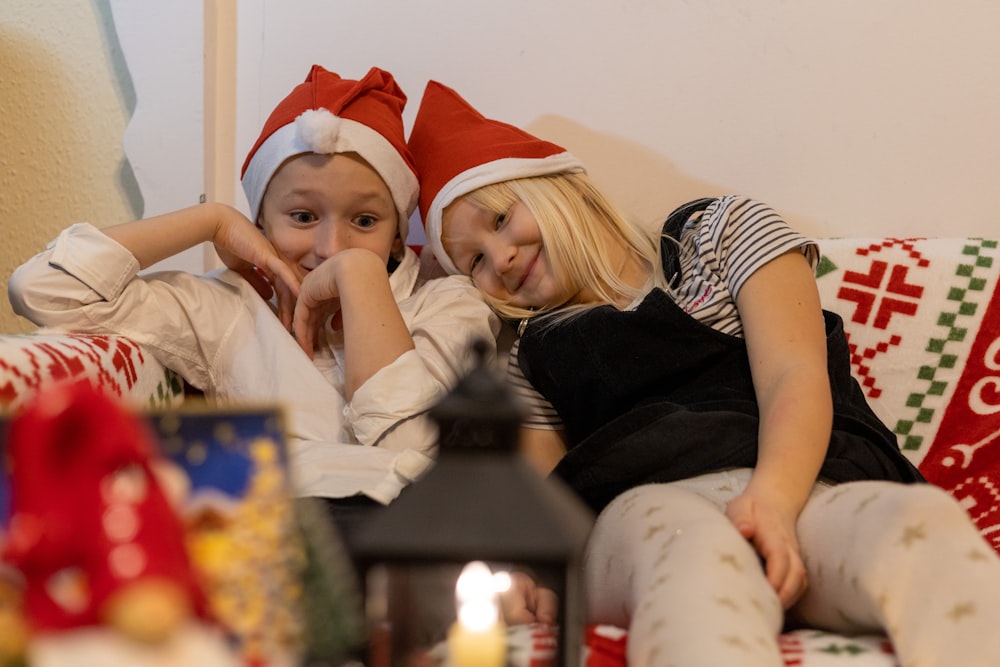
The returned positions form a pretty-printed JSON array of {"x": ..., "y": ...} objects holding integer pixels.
[{"x": 476, "y": 594}]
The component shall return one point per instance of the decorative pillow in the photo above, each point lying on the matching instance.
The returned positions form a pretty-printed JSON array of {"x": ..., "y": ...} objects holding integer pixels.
[
  {"x": 922, "y": 318},
  {"x": 112, "y": 363}
]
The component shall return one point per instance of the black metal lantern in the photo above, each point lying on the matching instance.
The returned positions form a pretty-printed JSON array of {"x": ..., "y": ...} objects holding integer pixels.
[{"x": 484, "y": 511}]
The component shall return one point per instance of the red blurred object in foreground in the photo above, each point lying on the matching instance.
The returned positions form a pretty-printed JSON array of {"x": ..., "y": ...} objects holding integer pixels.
[{"x": 90, "y": 526}]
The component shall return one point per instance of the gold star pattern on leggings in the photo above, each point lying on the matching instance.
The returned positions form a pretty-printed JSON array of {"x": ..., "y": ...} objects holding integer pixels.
[
  {"x": 961, "y": 610},
  {"x": 977, "y": 555},
  {"x": 731, "y": 560},
  {"x": 913, "y": 534}
]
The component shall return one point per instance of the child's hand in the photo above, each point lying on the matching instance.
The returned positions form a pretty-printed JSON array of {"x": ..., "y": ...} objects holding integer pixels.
[
  {"x": 353, "y": 285},
  {"x": 772, "y": 535},
  {"x": 527, "y": 602},
  {"x": 326, "y": 290},
  {"x": 244, "y": 249},
  {"x": 318, "y": 296}
]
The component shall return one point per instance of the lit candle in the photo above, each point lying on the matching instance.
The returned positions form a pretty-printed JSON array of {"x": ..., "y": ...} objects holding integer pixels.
[{"x": 477, "y": 638}]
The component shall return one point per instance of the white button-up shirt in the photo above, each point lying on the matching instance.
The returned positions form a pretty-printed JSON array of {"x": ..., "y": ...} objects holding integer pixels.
[{"x": 218, "y": 333}]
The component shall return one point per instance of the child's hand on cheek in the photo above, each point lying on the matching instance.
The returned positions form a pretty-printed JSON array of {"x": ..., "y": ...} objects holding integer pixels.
[
  {"x": 287, "y": 294},
  {"x": 342, "y": 286},
  {"x": 243, "y": 248},
  {"x": 318, "y": 297}
]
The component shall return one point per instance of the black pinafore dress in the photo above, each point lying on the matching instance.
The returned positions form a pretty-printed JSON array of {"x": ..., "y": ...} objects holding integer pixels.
[{"x": 653, "y": 395}]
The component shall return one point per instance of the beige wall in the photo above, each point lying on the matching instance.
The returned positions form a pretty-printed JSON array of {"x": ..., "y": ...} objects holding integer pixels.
[
  {"x": 65, "y": 99},
  {"x": 850, "y": 117}
]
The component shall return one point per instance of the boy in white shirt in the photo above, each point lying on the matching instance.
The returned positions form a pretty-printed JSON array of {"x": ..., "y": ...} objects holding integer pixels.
[{"x": 331, "y": 184}]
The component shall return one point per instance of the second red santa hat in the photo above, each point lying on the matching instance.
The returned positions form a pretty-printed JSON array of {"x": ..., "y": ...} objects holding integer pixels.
[{"x": 458, "y": 150}]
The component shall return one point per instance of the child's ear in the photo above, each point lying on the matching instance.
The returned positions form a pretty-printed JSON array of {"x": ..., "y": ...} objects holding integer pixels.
[{"x": 397, "y": 247}]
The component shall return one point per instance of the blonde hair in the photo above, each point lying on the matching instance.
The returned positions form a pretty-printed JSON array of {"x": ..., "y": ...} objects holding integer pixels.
[{"x": 579, "y": 226}]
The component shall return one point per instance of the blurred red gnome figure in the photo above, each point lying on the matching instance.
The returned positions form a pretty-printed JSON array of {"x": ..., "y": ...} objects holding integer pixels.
[{"x": 93, "y": 534}]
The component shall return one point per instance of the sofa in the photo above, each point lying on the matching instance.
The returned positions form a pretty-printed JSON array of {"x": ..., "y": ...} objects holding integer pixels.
[
  {"x": 113, "y": 363},
  {"x": 922, "y": 318}
]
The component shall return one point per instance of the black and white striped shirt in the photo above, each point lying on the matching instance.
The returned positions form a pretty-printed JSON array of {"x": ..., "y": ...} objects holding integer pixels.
[{"x": 720, "y": 248}]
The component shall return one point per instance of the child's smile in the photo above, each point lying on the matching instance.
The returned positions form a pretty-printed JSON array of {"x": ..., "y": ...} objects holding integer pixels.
[
  {"x": 319, "y": 205},
  {"x": 504, "y": 254}
]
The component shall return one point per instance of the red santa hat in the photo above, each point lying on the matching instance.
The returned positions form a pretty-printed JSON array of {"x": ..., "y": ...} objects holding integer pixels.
[
  {"x": 327, "y": 114},
  {"x": 458, "y": 150},
  {"x": 88, "y": 516}
]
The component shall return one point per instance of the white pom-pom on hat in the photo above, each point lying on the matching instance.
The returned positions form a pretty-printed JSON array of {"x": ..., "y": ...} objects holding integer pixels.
[
  {"x": 327, "y": 114},
  {"x": 318, "y": 129}
]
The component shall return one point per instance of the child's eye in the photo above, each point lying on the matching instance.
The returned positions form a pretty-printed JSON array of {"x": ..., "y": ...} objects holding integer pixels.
[
  {"x": 365, "y": 221},
  {"x": 474, "y": 263},
  {"x": 303, "y": 217},
  {"x": 501, "y": 218}
]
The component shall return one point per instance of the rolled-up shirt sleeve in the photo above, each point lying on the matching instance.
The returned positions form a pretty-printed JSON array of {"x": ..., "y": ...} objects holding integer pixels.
[
  {"x": 445, "y": 316},
  {"x": 86, "y": 282},
  {"x": 65, "y": 276}
]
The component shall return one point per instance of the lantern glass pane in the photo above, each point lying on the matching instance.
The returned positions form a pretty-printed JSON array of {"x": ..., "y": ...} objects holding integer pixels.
[{"x": 433, "y": 615}]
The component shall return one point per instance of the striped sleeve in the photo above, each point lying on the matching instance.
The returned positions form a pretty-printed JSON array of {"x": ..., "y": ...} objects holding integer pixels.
[
  {"x": 747, "y": 234},
  {"x": 539, "y": 412}
]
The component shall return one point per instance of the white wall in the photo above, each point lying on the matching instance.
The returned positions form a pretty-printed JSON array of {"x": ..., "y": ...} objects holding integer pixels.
[
  {"x": 855, "y": 117},
  {"x": 851, "y": 117},
  {"x": 162, "y": 45}
]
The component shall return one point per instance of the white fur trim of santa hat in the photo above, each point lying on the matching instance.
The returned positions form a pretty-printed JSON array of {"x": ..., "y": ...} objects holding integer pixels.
[
  {"x": 497, "y": 171},
  {"x": 319, "y": 131}
]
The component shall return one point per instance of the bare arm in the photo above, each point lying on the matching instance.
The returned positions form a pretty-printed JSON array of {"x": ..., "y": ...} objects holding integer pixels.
[
  {"x": 375, "y": 334},
  {"x": 528, "y": 601},
  {"x": 542, "y": 448},
  {"x": 786, "y": 341},
  {"x": 156, "y": 238}
]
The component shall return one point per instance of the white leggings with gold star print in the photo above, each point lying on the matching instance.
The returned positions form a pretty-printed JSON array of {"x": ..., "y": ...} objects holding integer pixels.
[{"x": 665, "y": 562}]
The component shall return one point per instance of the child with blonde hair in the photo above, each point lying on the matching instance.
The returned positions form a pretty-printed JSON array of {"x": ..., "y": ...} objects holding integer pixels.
[{"x": 688, "y": 385}]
